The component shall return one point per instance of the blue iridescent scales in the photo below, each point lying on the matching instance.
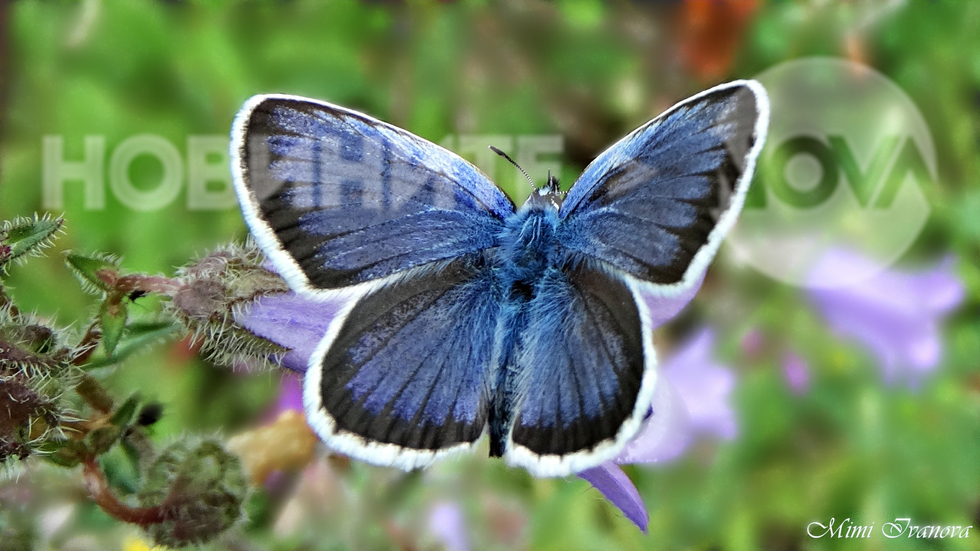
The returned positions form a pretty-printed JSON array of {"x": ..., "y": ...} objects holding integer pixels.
[{"x": 463, "y": 315}]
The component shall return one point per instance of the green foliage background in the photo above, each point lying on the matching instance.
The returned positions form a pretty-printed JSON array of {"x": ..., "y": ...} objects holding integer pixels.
[{"x": 591, "y": 71}]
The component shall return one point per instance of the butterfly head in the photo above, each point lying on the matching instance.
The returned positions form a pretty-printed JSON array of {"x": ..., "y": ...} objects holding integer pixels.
[
  {"x": 553, "y": 186},
  {"x": 549, "y": 195}
]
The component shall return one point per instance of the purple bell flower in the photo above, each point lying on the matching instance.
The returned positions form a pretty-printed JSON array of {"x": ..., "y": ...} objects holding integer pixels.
[
  {"x": 797, "y": 373},
  {"x": 448, "y": 525},
  {"x": 692, "y": 399},
  {"x": 894, "y": 314},
  {"x": 289, "y": 320}
]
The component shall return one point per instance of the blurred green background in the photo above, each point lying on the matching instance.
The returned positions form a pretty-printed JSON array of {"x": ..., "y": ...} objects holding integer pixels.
[{"x": 845, "y": 444}]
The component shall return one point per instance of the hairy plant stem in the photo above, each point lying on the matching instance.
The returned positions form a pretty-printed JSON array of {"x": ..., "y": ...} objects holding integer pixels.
[
  {"x": 151, "y": 284},
  {"x": 103, "y": 496},
  {"x": 88, "y": 344},
  {"x": 94, "y": 395}
]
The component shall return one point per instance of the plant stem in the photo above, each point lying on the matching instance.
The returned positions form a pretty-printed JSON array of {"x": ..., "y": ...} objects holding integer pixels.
[
  {"x": 151, "y": 284},
  {"x": 94, "y": 395},
  {"x": 88, "y": 344},
  {"x": 98, "y": 486}
]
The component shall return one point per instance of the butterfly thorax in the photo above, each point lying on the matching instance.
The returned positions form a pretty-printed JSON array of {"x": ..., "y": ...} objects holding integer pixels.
[{"x": 528, "y": 247}]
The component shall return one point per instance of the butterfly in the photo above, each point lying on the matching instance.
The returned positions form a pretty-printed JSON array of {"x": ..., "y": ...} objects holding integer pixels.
[{"x": 463, "y": 315}]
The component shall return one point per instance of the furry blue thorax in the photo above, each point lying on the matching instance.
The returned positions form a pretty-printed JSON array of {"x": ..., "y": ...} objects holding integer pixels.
[{"x": 527, "y": 244}]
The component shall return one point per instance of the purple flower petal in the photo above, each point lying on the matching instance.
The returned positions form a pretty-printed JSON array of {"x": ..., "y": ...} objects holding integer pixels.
[
  {"x": 752, "y": 343},
  {"x": 663, "y": 308},
  {"x": 290, "y": 320},
  {"x": 447, "y": 524},
  {"x": 797, "y": 373},
  {"x": 691, "y": 397},
  {"x": 290, "y": 393},
  {"x": 290, "y": 397},
  {"x": 894, "y": 314},
  {"x": 665, "y": 434},
  {"x": 704, "y": 386},
  {"x": 609, "y": 479}
]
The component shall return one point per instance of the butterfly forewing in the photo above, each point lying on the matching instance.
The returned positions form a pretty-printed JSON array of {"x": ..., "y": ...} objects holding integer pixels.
[
  {"x": 338, "y": 198},
  {"x": 652, "y": 202}
]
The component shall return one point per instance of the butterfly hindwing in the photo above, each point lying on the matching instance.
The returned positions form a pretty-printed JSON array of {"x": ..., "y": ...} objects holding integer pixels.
[
  {"x": 656, "y": 204},
  {"x": 337, "y": 198},
  {"x": 404, "y": 375},
  {"x": 584, "y": 369}
]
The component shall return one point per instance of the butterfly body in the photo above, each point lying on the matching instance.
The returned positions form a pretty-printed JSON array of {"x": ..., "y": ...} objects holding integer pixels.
[
  {"x": 525, "y": 261},
  {"x": 462, "y": 315}
]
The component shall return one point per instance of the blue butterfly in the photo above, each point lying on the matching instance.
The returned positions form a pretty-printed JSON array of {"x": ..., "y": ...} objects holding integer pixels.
[{"x": 464, "y": 315}]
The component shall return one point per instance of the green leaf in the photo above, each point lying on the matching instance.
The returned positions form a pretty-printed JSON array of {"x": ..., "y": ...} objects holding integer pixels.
[
  {"x": 135, "y": 336},
  {"x": 66, "y": 453},
  {"x": 102, "y": 439},
  {"x": 25, "y": 236},
  {"x": 131, "y": 453},
  {"x": 126, "y": 414},
  {"x": 96, "y": 272},
  {"x": 112, "y": 317}
]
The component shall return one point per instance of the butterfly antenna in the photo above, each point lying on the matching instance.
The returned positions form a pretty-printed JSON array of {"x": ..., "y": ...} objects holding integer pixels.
[{"x": 504, "y": 155}]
